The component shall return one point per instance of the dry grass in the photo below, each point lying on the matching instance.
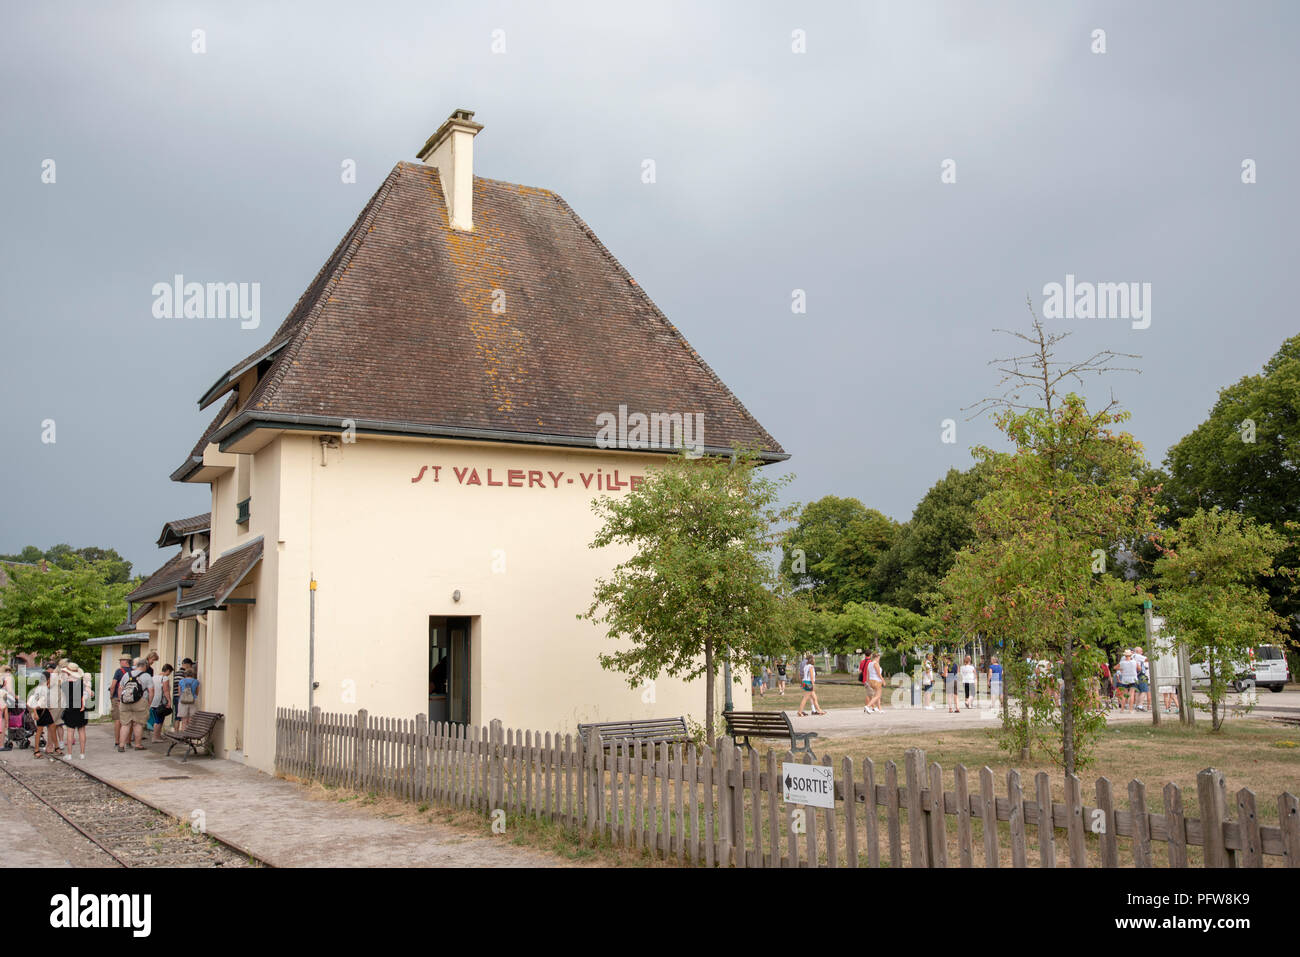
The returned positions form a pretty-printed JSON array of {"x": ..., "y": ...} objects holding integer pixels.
[
  {"x": 1252, "y": 753},
  {"x": 569, "y": 846}
]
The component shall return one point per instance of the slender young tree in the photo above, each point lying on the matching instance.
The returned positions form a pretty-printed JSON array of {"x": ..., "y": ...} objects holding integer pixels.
[
  {"x": 700, "y": 588},
  {"x": 1059, "y": 504},
  {"x": 1208, "y": 595}
]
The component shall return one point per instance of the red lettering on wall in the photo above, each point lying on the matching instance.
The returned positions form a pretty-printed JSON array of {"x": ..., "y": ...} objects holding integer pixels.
[
  {"x": 536, "y": 478},
  {"x": 473, "y": 478},
  {"x": 586, "y": 479},
  {"x": 420, "y": 474},
  {"x": 555, "y": 479},
  {"x": 635, "y": 481},
  {"x": 515, "y": 477},
  {"x": 490, "y": 482},
  {"x": 460, "y": 473}
]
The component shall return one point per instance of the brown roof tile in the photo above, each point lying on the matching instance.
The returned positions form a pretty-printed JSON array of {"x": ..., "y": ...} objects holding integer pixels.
[
  {"x": 174, "y": 532},
  {"x": 222, "y": 577},
  {"x": 398, "y": 329},
  {"x": 176, "y": 571}
]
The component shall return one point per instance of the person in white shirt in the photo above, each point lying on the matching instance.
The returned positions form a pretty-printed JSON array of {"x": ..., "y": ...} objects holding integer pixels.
[
  {"x": 875, "y": 682},
  {"x": 968, "y": 681},
  {"x": 1128, "y": 676},
  {"x": 1143, "y": 674},
  {"x": 809, "y": 684}
]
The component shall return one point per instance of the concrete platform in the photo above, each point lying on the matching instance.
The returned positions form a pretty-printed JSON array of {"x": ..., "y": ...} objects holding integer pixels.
[
  {"x": 23, "y": 845},
  {"x": 276, "y": 822}
]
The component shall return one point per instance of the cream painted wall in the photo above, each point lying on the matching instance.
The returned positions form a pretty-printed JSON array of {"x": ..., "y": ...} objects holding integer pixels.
[{"x": 388, "y": 553}]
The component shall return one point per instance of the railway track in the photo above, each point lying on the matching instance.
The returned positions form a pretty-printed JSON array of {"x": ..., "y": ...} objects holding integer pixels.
[{"x": 130, "y": 832}]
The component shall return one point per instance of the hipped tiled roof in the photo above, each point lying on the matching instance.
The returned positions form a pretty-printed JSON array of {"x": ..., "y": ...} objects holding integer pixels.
[
  {"x": 398, "y": 330},
  {"x": 174, "y": 532}
]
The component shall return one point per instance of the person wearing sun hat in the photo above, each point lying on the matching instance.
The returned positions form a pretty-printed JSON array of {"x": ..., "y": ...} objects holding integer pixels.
[
  {"x": 75, "y": 689},
  {"x": 1128, "y": 680},
  {"x": 123, "y": 669}
]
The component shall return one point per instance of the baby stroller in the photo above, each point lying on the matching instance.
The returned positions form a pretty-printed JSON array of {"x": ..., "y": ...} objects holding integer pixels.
[{"x": 21, "y": 728}]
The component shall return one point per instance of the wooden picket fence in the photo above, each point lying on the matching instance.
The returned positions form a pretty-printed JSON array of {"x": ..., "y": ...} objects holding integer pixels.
[{"x": 722, "y": 806}]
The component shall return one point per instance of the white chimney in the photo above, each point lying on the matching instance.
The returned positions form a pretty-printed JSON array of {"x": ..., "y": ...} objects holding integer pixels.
[{"x": 451, "y": 150}]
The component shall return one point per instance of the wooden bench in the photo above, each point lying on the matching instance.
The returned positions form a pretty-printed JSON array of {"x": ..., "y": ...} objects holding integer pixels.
[
  {"x": 198, "y": 729},
  {"x": 648, "y": 730},
  {"x": 766, "y": 724}
]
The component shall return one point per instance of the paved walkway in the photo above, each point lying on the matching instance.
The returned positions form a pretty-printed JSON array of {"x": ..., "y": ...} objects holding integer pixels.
[
  {"x": 275, "y": 820},
  {"x": 23, "y": 844},
  {"x": 845, "y": 722}
]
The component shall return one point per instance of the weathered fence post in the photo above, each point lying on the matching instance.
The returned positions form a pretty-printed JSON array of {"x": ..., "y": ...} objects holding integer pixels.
[
  {"x": 1288, "y": 819},
  {"x": 914, "y": 762},
  {"x": 595, "y": 783},
  {"x": 313, "y": 741},
  {"x": 421, "y": 769},
  {"x": 1211, "y": 793},
  {"x": 495, "y": 741},
  {"x": 361, "y": 758}
]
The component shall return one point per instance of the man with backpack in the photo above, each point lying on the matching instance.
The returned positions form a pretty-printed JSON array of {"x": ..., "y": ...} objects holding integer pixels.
[
  {"x": 188, "y": 687},
  {"x": 123, "y": 669},
  {"x": 134, "y": 692}
]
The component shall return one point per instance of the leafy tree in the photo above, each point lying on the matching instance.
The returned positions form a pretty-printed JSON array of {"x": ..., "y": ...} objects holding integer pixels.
[
  {"x": 115, "y": 569},
  {"x": 50, "y": 612},
  {"x": 700, "y": 589},
  {"x": 873, "y": 626},
  {"x": 1069, "y": 493},
  {"x": 1246, "y": 458},
  {"x": 832, "y": 549},
  {"x": 1208, "y": 595},
  {"x": 942, "y": 525}
]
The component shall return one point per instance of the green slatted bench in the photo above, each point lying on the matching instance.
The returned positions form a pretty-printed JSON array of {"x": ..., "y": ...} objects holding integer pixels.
[{"x": 766, "y": 724}]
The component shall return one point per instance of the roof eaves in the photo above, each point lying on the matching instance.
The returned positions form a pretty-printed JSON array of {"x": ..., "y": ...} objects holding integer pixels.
[{"x": 248, "y": 421}]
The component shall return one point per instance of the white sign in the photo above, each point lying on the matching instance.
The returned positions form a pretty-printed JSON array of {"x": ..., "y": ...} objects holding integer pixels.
[{"x": 808, "y": 784}]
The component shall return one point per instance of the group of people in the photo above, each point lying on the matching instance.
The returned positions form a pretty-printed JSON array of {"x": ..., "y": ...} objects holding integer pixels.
[
  {"x": 1128, "y": 683},
  {"x": 56, "y": 708},
  {"x": 142, "y": 700},
  {"x": 55, "y": 717},
  {"x": 765, "y": 677},
  {"x": 960, "y": 682}
]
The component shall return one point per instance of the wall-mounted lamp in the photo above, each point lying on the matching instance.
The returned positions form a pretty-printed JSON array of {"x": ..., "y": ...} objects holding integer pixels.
[{"x": 455, "y": 596}]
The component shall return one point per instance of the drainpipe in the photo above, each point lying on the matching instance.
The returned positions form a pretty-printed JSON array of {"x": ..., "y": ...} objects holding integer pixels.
[{"x": 311, "y": 649}]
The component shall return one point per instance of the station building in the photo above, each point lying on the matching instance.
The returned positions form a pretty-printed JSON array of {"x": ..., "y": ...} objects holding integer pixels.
[{"x": 402, "y": 477}]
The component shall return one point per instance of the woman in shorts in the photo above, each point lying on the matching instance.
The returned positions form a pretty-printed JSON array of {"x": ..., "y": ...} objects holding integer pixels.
[
  {"x": 780, "y": 675},
  {"x": 38, "y": 702},
  {"x": 809, "y": 685}
]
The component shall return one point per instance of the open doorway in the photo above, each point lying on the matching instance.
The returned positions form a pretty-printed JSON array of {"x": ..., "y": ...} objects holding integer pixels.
[{"x": 449, "y": 669}]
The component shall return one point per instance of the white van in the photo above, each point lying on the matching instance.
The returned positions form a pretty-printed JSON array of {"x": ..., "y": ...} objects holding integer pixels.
[
  {"x": 1270, "y": 667},
  {"x": 1264, "y": 667}
]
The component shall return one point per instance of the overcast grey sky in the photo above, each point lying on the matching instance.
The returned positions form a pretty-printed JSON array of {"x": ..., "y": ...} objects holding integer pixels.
[{"x": 776, "y": 171}]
